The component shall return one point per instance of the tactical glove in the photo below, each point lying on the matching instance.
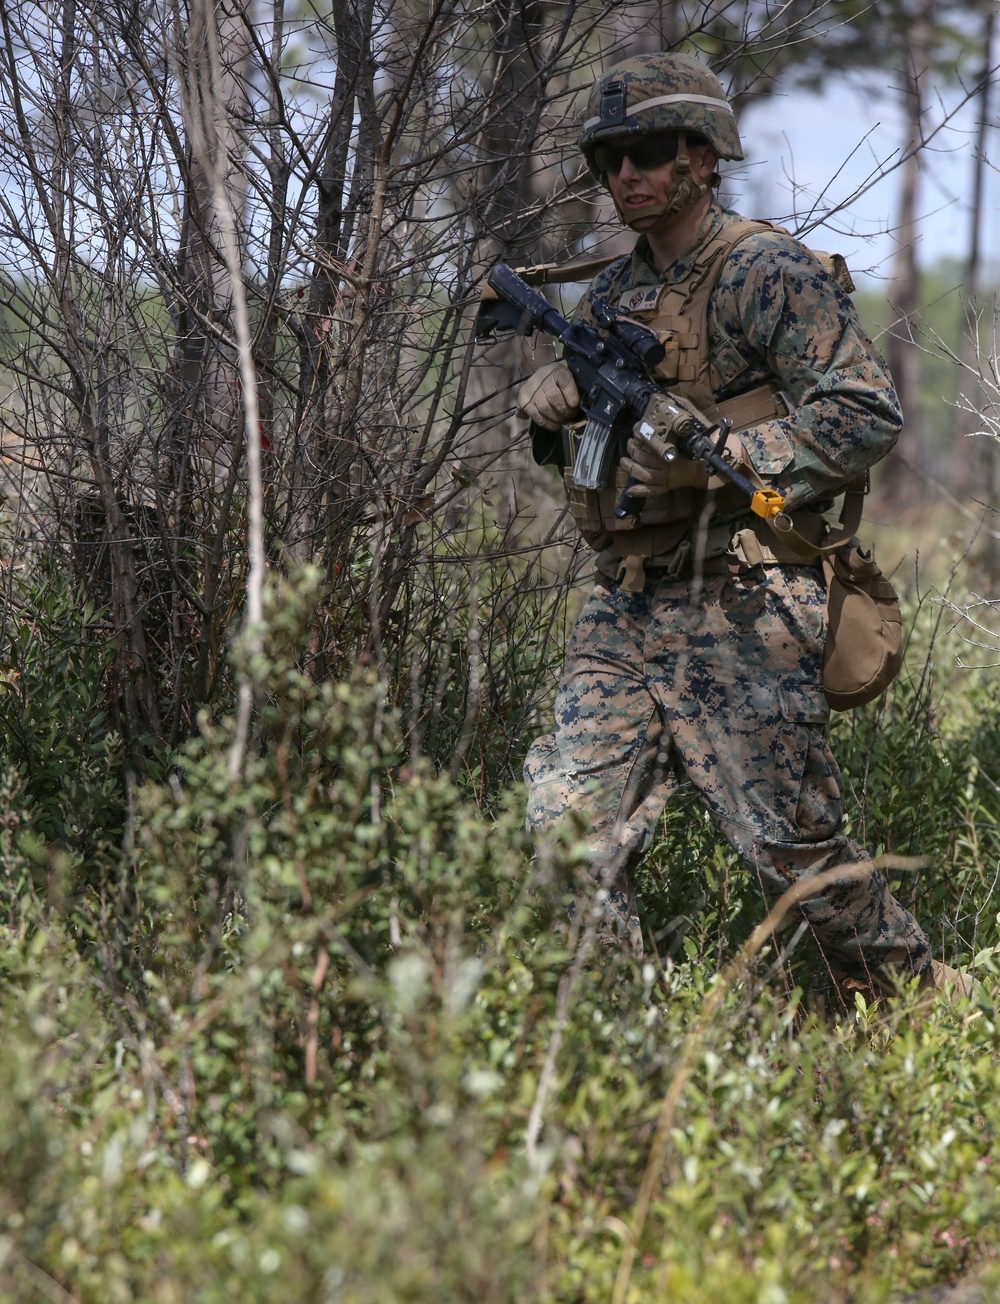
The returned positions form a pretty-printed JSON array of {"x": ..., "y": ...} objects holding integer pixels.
[
  {"x": 652, "y": 475},
  {"x": 549, "y": 397}
]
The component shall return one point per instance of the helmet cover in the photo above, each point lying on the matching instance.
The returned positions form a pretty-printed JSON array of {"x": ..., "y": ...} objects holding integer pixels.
[{"x": 659, "y": 93}]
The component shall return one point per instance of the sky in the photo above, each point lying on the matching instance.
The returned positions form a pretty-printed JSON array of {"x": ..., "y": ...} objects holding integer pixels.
[{"x": 802, "y": 147}]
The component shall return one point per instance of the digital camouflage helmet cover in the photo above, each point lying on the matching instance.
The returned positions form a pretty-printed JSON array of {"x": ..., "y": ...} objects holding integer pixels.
[{"x": 659, "y": 94}]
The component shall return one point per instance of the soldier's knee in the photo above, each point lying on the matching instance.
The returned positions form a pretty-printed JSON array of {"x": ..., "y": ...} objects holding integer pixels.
[{"x": 543, "y": 754}]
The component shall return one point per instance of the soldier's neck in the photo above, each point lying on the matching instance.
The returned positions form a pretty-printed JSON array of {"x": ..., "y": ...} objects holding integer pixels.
[{"x": 671, "y": 242}]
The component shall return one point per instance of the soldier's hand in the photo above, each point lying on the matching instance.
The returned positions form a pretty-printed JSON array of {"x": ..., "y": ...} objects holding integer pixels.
[
  {"x": 549, "y": 397},
  {"x": 653, "y": 475}
]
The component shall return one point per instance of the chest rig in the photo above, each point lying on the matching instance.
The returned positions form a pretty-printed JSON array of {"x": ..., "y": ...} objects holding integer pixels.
[{"x": 659, "y": 538}]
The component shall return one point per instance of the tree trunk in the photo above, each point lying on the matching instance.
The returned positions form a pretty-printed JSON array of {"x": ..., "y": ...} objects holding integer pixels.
[
  {"x": 971, "y": 458},
  {"x": 318, "y": 464},
  {"x": 905, "y": 488},
  {"x": 210, "y": 424}
]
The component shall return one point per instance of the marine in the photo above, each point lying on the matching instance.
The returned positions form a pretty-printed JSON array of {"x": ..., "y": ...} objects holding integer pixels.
[{"x": 699, "y": 652}]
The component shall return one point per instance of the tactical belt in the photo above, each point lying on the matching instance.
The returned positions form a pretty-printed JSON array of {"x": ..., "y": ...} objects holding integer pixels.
[{"x": 752, "y": 543}]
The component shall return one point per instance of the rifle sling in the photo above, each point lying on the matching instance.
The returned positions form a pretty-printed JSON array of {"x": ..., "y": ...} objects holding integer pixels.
[{"x": 555, "y": 274}]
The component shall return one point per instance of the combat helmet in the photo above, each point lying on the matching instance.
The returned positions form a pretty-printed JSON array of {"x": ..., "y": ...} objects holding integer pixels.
[{"x": 658, "y": 93}]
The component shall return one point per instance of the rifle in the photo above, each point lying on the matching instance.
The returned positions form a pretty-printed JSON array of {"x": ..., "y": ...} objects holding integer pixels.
[{"x": 611, "y": 368}]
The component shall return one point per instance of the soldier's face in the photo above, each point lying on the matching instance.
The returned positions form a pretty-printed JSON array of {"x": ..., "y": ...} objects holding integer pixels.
[{"x": 642, "y": 194}]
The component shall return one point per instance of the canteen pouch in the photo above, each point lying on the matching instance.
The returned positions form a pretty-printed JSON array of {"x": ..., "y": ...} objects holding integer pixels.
[{"x": 864, "y": 641}]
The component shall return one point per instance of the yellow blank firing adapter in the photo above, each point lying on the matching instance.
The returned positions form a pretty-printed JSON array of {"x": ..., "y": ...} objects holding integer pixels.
[{"x": 767, "y": 503}]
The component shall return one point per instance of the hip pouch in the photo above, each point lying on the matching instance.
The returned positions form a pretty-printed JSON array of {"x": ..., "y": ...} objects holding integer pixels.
[{"x": 864, "y": 641}]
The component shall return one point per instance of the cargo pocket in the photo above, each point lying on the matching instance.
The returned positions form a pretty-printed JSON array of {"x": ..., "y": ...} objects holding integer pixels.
[
  {"x": 768, "y": 447},
  {"x": 807, "y": 802},
  {"x": 727, "y": 365}
]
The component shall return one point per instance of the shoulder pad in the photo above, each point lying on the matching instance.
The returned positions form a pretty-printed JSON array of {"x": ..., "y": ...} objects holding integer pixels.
[{"x": 834, "y": 265}]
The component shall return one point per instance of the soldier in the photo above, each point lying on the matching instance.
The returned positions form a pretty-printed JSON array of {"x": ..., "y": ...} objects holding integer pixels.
[{"x": 700, "y": 650}]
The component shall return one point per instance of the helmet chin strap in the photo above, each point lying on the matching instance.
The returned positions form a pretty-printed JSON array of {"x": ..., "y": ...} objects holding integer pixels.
[{"x": 683, "y": 191}]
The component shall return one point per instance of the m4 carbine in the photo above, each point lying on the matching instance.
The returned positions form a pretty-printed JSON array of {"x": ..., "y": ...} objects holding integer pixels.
[{"x": 611, "y": 365}]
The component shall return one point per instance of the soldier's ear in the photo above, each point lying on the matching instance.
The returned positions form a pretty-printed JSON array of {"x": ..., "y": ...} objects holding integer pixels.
[{"x": 705, "y": 163}]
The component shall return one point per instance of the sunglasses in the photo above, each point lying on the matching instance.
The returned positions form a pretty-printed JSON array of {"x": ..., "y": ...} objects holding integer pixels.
[{"x": 642, "y": 154}]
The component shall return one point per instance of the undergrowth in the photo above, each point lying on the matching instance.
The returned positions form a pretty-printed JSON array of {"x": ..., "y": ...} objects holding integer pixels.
[{"x": 282, "y": 1040}]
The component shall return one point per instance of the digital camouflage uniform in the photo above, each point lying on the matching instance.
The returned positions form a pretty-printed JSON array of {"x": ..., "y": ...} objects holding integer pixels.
[{"x": 716, "y": 671}]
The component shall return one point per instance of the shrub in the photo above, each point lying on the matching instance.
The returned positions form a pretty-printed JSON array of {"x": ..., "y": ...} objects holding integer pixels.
[{"x": 310, "y": 1073}]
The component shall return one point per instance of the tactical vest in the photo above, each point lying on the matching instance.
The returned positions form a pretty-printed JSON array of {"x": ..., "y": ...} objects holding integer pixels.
[{"x": 658, "y": 538}]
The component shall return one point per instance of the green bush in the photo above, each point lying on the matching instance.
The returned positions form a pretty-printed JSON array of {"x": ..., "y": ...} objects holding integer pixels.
[
  {"x": 311, "y": 1068},
  {"x": 62, "y": 804}
]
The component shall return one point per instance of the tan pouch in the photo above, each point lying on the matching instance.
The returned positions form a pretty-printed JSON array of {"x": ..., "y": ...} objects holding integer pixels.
[{"x": 864, "y": 641}]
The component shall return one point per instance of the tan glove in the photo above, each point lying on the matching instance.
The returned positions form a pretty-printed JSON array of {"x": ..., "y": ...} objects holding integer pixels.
[
  {"x": 654, "y": 475},
  {"x": 549, "y": 397}
]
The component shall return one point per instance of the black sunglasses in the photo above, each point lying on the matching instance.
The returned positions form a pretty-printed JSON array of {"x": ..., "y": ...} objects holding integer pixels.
[{"x": 652, "y": 152}]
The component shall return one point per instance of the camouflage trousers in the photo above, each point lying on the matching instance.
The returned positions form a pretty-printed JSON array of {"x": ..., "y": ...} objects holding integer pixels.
[{"x": 721, "y": 683}]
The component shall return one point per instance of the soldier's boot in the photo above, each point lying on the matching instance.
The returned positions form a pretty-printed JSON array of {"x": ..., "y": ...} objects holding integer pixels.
[
  {"x": 848, "y": 982},
  {"x": 955, "y": 985}
]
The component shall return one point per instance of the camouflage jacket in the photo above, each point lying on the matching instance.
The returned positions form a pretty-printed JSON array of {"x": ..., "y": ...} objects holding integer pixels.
[{"x": 777, "y": 316}]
